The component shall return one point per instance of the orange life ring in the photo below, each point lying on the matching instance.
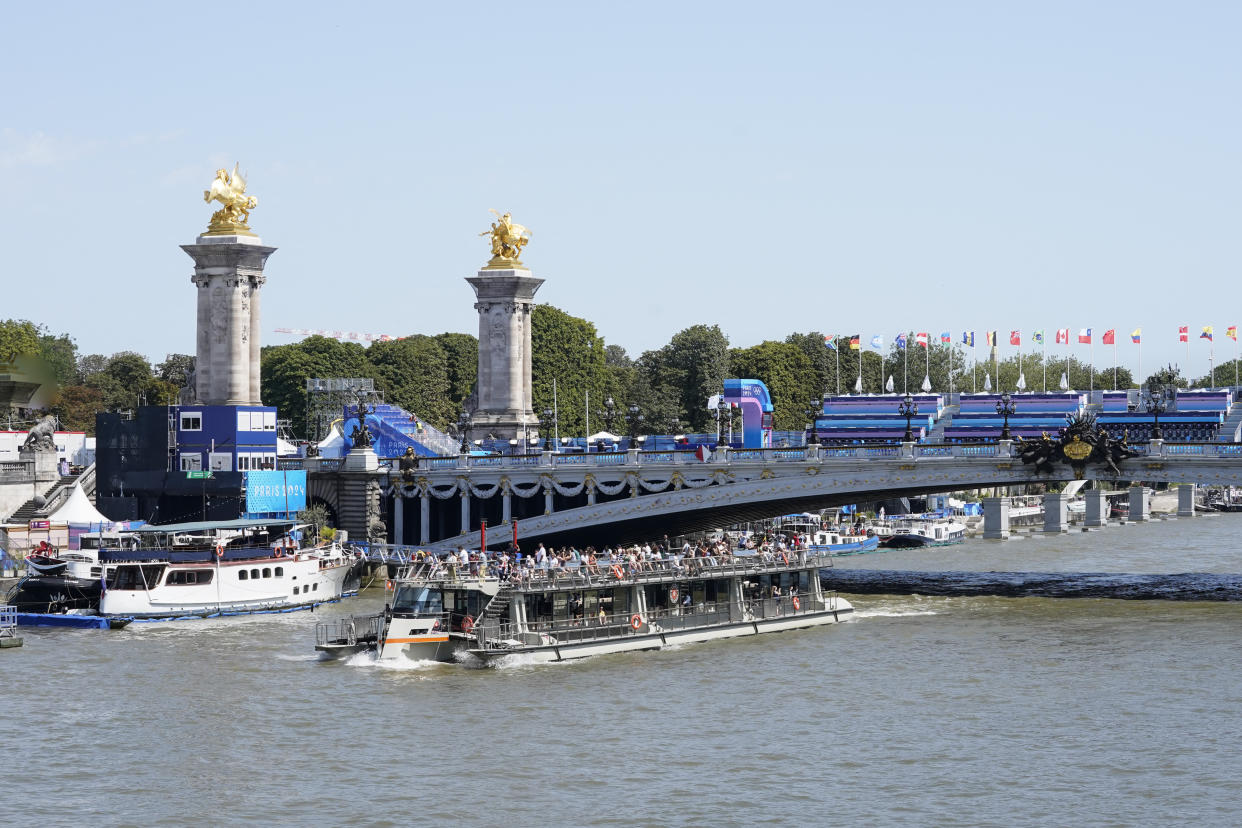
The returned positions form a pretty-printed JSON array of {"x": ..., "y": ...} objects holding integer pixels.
[
  {"x": 616, "y": 572},
  {"x": 387, "y": 586},
  {"x": 636, "y": 621},
  {"x": 797, "y": 605},
  {"x": 467, "y": 624},
  {"x": 672, "y": 595},
  {"x": 219, "y": 550}
]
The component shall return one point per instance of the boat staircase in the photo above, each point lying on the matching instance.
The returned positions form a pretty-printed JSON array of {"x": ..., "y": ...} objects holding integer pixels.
[
  {"x": 55, "y": 497},
  {"x": 1232, "y": 425},
  {"x": 936, "y": 435},
  {"x": 496, "y": 612}
]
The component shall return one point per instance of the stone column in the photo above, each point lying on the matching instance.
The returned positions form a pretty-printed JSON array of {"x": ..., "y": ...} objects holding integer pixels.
[
  {"x": 547, "y": 500},
  {"x": 1140, "y": 503},
  {"x": 424, "y": 514},
  {"x": 398, "y": 518},
  {"x": 228, "y": 272},
  {"x": 1097, "y": 508},
  {"x": 1186, "y": 500},
  {"x": 465, "y": 511},
  {"x": 503, "y": 402},
  {"x": 506, "y": 504},
  {"x": 996, "y": 518},
  {"x": 590, "y": 487},
  {"x": 1056, "y": 512}
]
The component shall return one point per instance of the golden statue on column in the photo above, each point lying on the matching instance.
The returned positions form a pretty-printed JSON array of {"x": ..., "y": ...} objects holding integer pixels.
[
  {"x": 230, "y": 190},
  {"x": 508, "y": 238}
]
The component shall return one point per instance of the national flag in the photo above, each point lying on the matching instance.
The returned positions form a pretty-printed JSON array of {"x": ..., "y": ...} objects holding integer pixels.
[
  {"x": 1232, "y": 332},
  {"x": 900, "y": 339},
  {"x": 854, "y": 342},
  {"x": 1183, "y": 334},
  {"x": 1015, "y": 337},
  {"x": 877, "y": 342},
  {"x": 1207, "y": 333},
  {"x": 991, "y": 337},
  {"x": 1084, "y": 336},
  {"x": 946, "y": 337},
  {"x": 1110, "y": 337},
  {"x": 968, "y": 338},
  {"x": 1062, "y": 336},
  {"x": 703, "y": 453},
  {"x": 1136, "y": 336},
  {"x": 1037, "y": 337},
  {"x": 831, "y": 341},
  {"x": 922, "y": 338}
]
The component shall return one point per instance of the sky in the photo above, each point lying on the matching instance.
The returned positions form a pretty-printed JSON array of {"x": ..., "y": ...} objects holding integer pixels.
[{"x": 769, "y": 168}]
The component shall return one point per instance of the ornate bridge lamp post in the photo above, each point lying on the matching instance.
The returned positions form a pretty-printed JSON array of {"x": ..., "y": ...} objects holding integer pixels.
[
  {"x": 722, "y": 411},
  {"x": 546, "y": 424},
  {"x": 610, "y": 415},
  {"x": 909, "y": 409},
  {"x": 634, "y": 417},
  {"x": 463, "y": 426},
  {"x": 1005, "y": 407},
  {"x": 814, "y": 408},
  {"x": 1156, "y": 401}
]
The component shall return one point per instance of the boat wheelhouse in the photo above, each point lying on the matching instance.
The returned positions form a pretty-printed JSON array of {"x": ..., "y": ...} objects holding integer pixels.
[
  {"x": 909, "y": 531},
  {"x": 451, "y": 612}
]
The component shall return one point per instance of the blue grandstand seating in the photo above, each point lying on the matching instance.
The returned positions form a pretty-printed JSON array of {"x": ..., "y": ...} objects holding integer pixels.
[{"x": 873, "y": 418}]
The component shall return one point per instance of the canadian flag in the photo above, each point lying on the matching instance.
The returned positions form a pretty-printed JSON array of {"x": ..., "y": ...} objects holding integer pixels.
[
  {"x": 1015, "y": 337},
  {"x": 1183, "y": 334},
  {"x": 922, "y": 338},
  {"x": 1062, "y": 336},
  {"x": 1109, "y": 337}
]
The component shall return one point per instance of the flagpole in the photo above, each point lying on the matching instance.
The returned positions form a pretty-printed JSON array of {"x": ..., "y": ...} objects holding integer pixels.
[
  {"x": 1043, "y": 360},
  {"x": 1212, "y": 361},
  {"x": 860, "y": 350},
  {"x": 905, "y": 367},
  {"x": 1140, "y": 376},
  {"x": 949, "y": 346},
  {"x": 1235, "y": 358},
  {"x": 837, "y": 354},
  {"x": 927, "y": 358},
  {"x": 1114, "y": 360},
  {"x": 974, "y": 367}
]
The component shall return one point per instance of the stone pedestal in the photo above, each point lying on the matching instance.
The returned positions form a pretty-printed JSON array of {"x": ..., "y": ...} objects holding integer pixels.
[
  {"x": 46, "y": 471},
  {"x": 1056, "y": 513},
  {"x": 1140, "y": 503},
  {"x": 1186, "y": 500},
  {"x": 228, "y": 271},
  {"x": 996, "y": 518},
  {"x": 361, "y": 459},
  {"x": 503, "y": 402},
  {"x": 1097, "y": 509}
]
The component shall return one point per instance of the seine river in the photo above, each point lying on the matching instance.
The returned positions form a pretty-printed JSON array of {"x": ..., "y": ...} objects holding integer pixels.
[{"x": 921, "y": 711}]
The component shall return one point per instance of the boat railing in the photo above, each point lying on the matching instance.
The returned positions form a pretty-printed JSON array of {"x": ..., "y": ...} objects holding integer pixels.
[
  {"x": 8, "y": 621},
  {"x": 539, "y": 580},
  {"x": 349, "y": 630}
]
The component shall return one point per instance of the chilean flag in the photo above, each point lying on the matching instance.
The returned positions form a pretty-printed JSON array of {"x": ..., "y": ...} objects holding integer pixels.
[
  {"x": 702, "y": 453},
  {"x": 1084, "y": 336}
]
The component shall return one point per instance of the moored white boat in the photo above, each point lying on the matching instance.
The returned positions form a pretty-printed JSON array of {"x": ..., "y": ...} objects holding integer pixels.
[{"x": 909, "y": 531}]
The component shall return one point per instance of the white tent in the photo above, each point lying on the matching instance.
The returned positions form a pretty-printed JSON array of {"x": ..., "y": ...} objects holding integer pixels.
[
  {"x": 603, "y": 436},
  {"x": 334, "y": 444},
  {"x": 285, "y": 449},
  {"x": 78, "y": 509}
]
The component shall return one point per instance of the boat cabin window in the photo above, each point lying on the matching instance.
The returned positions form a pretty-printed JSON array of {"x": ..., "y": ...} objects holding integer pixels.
[
  {"x": 267, "y": 572},
  {"x": 576, "y": 607},
  {"x": 241, "y": 575},
  {"x": 687, "y": 594},
  {"x": 134, "y": 576},
  {"x": 187, "y": 577},
  {"x": 418, "y": 600},
  {"x": 280, "y": 572}
]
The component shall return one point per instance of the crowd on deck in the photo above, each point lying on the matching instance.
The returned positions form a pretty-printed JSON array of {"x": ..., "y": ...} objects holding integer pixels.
[{"x": 618, "y": 562}]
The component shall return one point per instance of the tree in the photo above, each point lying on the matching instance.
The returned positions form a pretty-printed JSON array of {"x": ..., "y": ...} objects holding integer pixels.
[
  {"x": 461, "y": 364},
  {"x": 823, "y": 359},
  {"x": 286, "y": 368},
  {"x": 76, "y": 406},
  {"x": 61, "y": 355},
  {"x": 788, "y": 373},
  {"x": 90, "y": 365},
  {"x": 412, "y": 374},
  {"x": 17, "y": 336},
  {"x": 132, "y": 375},
  {"x": 568, "y": 349},
  {"x": 690, "y": 369},
  {"x": 175, "y": 369}
]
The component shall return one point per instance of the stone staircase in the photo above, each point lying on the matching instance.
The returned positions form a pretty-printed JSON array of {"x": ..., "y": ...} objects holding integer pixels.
[
  {"x": 1229, "y": 430},
  {"x": 936, "y": 435},
  {"x": 39, "y": 507}
]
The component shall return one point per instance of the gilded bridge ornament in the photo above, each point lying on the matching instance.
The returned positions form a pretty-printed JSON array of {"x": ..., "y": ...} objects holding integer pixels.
[
  {"x": 230, "y": 190},
  {"x": 508, "y": 238}
]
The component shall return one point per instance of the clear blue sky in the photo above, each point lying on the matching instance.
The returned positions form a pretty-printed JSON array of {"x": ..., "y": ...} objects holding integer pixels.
[{"x": 843, "y": 167}]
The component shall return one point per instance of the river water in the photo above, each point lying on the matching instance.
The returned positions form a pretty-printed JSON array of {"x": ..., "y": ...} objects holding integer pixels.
[{"x": 921, "y": 711}]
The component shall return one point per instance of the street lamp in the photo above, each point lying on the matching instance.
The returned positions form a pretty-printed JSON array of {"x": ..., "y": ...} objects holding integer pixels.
[
  {"x": 463, "y": 427},
  {"x": 547, "y": 428},
  {"x": 634, "y": 417},
  {"x": 1156, "y": 401},
  {"x": 1006, "y": 407},
  {"x": 610, "y": 414},
  {"x": 909, "y": 409},
  {"x": 722, "y": 410},
  {"x": 814, "y": 409}
]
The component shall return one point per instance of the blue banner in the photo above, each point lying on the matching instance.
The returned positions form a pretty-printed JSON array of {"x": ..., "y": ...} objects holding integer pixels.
[{"x": 282, "y": 492}]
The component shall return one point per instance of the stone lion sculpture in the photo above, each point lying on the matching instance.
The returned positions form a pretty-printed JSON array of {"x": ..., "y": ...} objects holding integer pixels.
[{"x": 41, "y": 436}]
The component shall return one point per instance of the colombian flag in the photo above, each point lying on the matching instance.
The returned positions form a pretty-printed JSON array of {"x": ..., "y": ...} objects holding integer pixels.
[
  {"x": 1136, "y": 335},
  {"x": 1207, "y": 333}
]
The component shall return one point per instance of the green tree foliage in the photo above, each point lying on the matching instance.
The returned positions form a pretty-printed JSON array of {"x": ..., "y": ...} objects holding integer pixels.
[
  {"x": 76, "y": 406},
  {"x": 413, "y": 373},
  {"x": 568, "y": 349},
  {"x": 89, "y": 365},
  {"x": 17, "y": 336},
  {"x": 61, "y": 355},
  {"x": 788, "y": 373},
  {"x": 823, "y": 359},
  {"x": 461, "y": 363},
  {"x": 175, "y": 369},
  {"x": 286, "y": 368},
  {"x": 690, "y": 369}
]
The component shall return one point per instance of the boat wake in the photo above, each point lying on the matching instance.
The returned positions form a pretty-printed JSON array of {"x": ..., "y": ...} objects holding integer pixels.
[{"x": 1188, "y": 586}]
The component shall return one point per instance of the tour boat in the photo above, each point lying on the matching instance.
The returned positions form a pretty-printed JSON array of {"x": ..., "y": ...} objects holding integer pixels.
[
  {"x": 224, "y": 568},
  {"x": 439, "y": 612},
  {"x": 910, "y": 531},
  {"x": 823, "y": 539}
]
